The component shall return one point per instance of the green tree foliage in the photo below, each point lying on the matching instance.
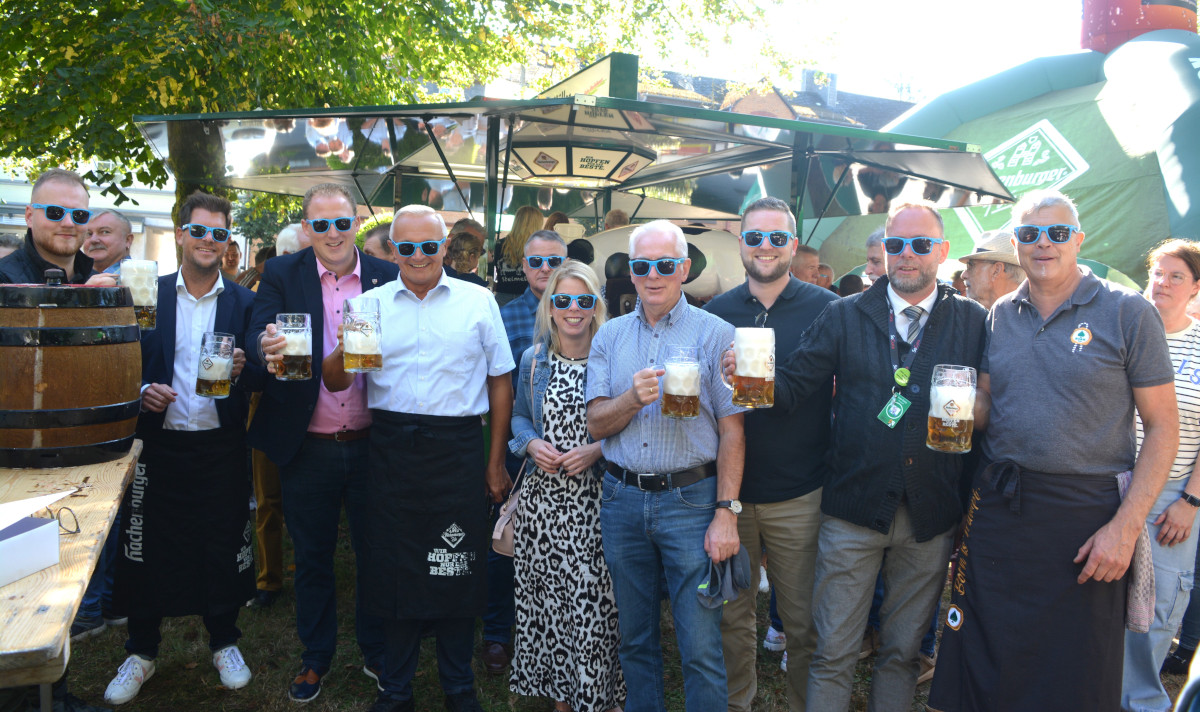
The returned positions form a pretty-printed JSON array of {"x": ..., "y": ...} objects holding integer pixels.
[
  {"x": 260, "y": 216},
  {"x": 72, "y": 74}
]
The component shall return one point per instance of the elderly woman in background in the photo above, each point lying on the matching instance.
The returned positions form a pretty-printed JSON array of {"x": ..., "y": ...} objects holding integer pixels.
[
  {"x": 509, "y": 256},
  {"x": 1174, "y": 268},
  {"x": 567, "y": 638}
]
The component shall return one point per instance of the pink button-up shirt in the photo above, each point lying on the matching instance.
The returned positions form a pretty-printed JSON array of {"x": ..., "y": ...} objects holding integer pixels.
[{"x": 344, "y": 410}]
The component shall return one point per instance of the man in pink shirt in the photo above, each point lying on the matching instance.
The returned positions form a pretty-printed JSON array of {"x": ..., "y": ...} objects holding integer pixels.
[{"x": 318, "y": 438}]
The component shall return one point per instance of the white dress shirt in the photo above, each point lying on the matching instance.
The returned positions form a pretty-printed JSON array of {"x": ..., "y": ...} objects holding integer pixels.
[
  {"x": 899, "y": 304},
  {"x": 438, "y": 351},
  {"x": 193, "y": 317}
]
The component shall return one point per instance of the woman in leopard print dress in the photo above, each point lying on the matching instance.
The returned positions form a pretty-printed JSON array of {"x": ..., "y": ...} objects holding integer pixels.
[{"x": 567, "y": 637}]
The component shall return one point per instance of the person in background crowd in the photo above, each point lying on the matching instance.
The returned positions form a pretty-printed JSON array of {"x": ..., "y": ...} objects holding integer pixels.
[
  {"x": 319, "y": 437},
  {"x": 875, "y": 265},
  {"x": 544, "y": 251},
  {"x": 372, "y": 237},
  {"x": 567, "y": 636},
  {"x": 849, "y": 285},
  {"x": 615, "y": 218},
  {"x": 109, "y": 237},
  {"x": 507, "y": 256},
  {"x": 825, "y": 276},
  {"x": 993, "y": 269},
  {"x": 9, "y": 244},
  {"x": 185, "y": 536},
  {"x": 57, "y": 216},
  {"x": 1049, "y": 538},
  {"x": 555, "y": 219},
  {"x": 1174, "y": 269},
  {"x": 231, "y": 263},
  {"x": 669, "y": 505},
  {"x": 426, "y": 469},
  {"x": 956, "y": 281},
  {"x": 464, "y": 250},
  {"x": 785, "y": 451},
  {"x": 250, "y": 276},
  {"x": 806, "y": 264}
]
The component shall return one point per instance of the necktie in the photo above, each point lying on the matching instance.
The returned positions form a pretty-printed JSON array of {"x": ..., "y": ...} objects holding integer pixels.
[{"x": 914, "y": 322}]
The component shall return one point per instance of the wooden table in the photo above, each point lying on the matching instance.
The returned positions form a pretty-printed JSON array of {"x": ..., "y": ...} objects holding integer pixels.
[{"x": 36, "y": 612}]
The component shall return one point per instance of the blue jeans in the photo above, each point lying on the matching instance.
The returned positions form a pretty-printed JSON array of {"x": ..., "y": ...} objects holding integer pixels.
[
  {"x": 1189, "y": 630},
  {"x": 314, "y": 485},
  {"x": 455, "y": 645},
  {"x": 647, "y": 534},
  {"x": 929, "y": 642},
  {"x": 1174, "y": 566},
  {"x": 97, "y": 599},
  {"x": 773, "y": 613}
]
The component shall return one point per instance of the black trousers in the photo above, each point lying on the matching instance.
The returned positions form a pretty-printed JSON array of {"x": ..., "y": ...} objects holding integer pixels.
[{"x": 145, "y": 634}]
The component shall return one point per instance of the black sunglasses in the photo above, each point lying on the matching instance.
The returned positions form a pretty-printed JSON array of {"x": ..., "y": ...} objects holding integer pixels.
[
  {"x": 563, "y": 301},
  {"x": 920, "y": 245},
  {"x": 1029, "y": 234},
  {"x": 79, "y": 216},
  {"x": 198, "y": 231},
  {"x": 535, "y": 262},
  {"x": 778, "y": 238},
  {"x": 408, "y": 249},
  {"x": 320, "y": 225}
]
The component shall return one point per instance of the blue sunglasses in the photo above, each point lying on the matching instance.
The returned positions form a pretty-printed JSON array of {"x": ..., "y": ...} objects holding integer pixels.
[
  {"x": 563, "y": 301},
  {"x": 198, "y": 231},
  {"x": 79, "y": 216},
  {"x": 919, "y": 245},
  {"x": 1029, "y": 234},
  {"x": 408, "y": 249},
  {"x": 665, "y": 266},
  {"x": 321, "y": 225}
]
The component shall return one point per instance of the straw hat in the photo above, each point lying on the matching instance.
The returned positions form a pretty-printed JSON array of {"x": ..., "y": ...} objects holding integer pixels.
[{"x": 993, "y": 246}]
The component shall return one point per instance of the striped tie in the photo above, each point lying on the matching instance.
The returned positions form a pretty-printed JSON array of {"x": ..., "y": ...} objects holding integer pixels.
[{"x": 914, "y": 322}]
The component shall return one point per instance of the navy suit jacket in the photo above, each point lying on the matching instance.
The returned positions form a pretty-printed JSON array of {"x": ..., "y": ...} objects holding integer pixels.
[
  {"x": 234, "y": 306},
  {"x": 291, "y": 285}
]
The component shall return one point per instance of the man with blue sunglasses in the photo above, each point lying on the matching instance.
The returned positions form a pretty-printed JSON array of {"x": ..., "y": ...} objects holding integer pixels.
[{"x": 57, "y": 217}]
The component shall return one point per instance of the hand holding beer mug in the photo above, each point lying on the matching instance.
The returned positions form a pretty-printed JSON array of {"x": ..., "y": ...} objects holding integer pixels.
[
  {"x": 362, "y": 340},
  {"x": 297, "y": 352},
  {"x": 141, "y": 276},
  {"x": 681, "y": 383},
  {"x": 951, "y": 408},
  {"x": 754, "y": 372},
  {"x": 215, "y": 373}
]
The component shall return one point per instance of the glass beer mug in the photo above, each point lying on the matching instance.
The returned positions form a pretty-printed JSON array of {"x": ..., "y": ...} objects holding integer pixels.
[
  {"x": 681, "y": 383},
  {"x": 141, "y": 276},
  {"x": 362, "y": 339},
  {"x": 951, "y": 408},
  {"x": 754, "y": 378},
  {"x": 297, "y": 352},
  {"x": 215, "y": 371}
]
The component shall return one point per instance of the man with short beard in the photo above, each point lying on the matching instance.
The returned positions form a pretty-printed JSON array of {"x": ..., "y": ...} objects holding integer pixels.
[
  {"x": 888, "y": 500},
  {"x": 785, "y": 450},
  {"x": 57, "y": 216}
]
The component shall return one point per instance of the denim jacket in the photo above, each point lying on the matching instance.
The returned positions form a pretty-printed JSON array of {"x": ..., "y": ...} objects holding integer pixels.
[{"x": 526, "y": 416}]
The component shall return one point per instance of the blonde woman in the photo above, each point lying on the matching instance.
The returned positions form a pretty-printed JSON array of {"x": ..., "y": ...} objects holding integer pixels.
[
  {"x": 510, "y": 255},
  {"x": 566, "y": 632}
]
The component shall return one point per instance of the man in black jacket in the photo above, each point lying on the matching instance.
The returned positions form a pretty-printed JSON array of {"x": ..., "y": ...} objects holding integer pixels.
[
  {"x": 57, "y": 216},
  {"x": 888, "y": 500}
]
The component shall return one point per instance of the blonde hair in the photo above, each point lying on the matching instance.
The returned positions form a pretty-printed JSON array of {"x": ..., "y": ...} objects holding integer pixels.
[
  {"x": 527, "y": 222},
  {"x": 544, "y": 330}
]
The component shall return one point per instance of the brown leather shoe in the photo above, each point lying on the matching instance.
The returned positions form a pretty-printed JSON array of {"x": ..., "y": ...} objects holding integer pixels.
[{"x": 495, "y": 657}]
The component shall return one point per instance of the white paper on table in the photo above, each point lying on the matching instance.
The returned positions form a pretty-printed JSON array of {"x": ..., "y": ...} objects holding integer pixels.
[{"x": 13, "y": 512}]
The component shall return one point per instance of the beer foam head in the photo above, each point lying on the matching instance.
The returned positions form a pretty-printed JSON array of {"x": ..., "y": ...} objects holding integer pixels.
[
  {"x": 754, "y": 350},
  {"x": 144, "y": 296},
  {"x": 299, "y": 343},
  {"x": 359, "y": 342},
  {"x": 215, "y": 368},
  {"x": 682, "y": 378},
  {"x": 952, "y": 402}
]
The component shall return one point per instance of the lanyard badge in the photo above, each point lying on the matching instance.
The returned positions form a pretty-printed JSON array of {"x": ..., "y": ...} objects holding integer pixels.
[{"x": 894, "y": 410}]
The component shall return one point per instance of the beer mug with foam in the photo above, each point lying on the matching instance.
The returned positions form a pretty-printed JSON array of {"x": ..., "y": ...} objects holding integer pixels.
[
  {"x": 681, "y": 383},
  {"x": 754, "y": 378},
  {"x": 215, "y": 372},
  {"x": 297, "y": 352},
  {"x": 141, "y": 277},
  {"x": 362, "y": 339},
  {"x": 951, "y": 408}
]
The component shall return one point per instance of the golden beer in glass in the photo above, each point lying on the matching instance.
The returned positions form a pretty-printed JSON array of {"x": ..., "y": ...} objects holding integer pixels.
[
  {"x": 951, "y": 409},
  {"x": 754, "y": 378},
  {"x": 681, "y": 384},
  {"x": 297, "y": 352},
  {"x": 214, "y": 373},
  {"x": 362, "y": 335},
  {"x": 141, "y": 277}
]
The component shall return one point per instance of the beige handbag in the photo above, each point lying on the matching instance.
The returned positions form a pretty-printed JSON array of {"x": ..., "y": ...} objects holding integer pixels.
[{"x": 503, "y": 533}]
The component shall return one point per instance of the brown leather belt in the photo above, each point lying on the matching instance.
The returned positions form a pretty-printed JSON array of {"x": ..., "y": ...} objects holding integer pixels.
[
  {"x": 342, "y": 436},
  {"x": 653, "y": 482}
]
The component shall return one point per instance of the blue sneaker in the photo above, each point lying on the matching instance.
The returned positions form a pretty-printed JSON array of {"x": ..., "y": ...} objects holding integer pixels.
[{"x": 306, "y": 686}]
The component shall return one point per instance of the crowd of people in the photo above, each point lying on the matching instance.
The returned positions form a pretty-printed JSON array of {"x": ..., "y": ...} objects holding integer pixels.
[{"x": 1067, "y": 531}]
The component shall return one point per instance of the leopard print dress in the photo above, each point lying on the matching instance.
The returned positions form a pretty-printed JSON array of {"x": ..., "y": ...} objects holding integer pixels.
[{"x": 566, "y": 633}]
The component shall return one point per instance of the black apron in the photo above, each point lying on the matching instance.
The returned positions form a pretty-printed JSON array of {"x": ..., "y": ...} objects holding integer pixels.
[
  {"x": 427, "y": 518},
  {"x": 185, "y": 527},
  {"x": 1020, "y": 633}
]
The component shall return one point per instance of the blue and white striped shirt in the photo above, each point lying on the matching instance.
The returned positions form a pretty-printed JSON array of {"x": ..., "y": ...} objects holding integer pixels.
[{"x": 626, "y": 345}]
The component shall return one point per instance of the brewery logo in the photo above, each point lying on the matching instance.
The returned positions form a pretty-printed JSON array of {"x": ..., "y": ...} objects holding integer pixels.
[
  {"x": 951, "y": 408},
  {"x": 1081, "y": 336},
  {"x": 545, "y": 161},
  {"x": 207, "y": 364},
  {"x": 246, "y": 531},
  {"x": 954, "y": 617},
  {"x": 894, "y": 411},
  {"x": 628, "y": 169},
  {"x": 592, "y": 163},
  {"x": 453, "y": 535}
]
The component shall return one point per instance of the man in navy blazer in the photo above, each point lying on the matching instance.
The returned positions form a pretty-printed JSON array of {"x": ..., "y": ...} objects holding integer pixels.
[
  {"x": 318, "y": 438},
  {"x": 185, "y": 536}
]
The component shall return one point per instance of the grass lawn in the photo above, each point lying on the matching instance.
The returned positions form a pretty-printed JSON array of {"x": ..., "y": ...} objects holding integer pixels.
[{"x": 185, "y": 679}]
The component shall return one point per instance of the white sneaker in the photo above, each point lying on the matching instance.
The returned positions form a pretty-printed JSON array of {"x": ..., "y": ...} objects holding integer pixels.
[
  {"x": 764, "y": 586},
  {"x": 775, "y": 640},
  {"x": 783, "y": 663},
  {"x": 235, "y": 673},
  {"x": 128, "y": 682}
]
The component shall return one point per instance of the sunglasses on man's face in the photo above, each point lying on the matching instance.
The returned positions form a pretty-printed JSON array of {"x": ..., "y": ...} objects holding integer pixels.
[
  {"x": 586, "y": 302},
  {"x": 1029, "y": 234},
  {"x": 408, "y": 249},
  {"x": 79, "y": 216},
  {"x": 777, "y": 238},
  {"x": 920, "y": 245},
  {"x": 535, "y": 262},
  {"x": 665, "y": 266},
  {"x": 321, "y": 225},
  {"x": 198, "y": 231}
]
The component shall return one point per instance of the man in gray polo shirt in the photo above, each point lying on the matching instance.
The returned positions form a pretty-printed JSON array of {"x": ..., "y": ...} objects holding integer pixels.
[
  {"x": 1038, "y": 603},
  {"x": 669, "y": 500}
]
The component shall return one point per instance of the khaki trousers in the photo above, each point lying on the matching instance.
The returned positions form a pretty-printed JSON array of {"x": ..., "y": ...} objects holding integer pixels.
[
  {"x": 789, "y": 531},
  {"x": 268, "y": 522}
]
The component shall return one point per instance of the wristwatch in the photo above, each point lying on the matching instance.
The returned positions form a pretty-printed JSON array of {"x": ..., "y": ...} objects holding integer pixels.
[
  {"x": 735, "y": 506},
  {"x": 1190, "y": 499}
]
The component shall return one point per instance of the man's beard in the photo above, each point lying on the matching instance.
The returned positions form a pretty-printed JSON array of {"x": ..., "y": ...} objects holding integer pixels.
[
  {"x": 911, "y": 285},
  {"x": 761, "y": 274}
]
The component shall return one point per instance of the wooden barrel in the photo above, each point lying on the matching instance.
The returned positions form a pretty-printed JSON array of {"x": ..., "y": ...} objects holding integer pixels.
[{"x": 72, "y": 373}]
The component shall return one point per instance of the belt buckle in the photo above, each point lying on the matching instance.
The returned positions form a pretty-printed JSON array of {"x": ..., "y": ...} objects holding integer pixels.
[
  {"x": 337, "y": 436},
  {"x": 642, "y": 487}
]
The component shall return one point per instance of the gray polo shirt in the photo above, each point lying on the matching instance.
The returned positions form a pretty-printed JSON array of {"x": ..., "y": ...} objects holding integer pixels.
[{"x": 1062, "y": 398}]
